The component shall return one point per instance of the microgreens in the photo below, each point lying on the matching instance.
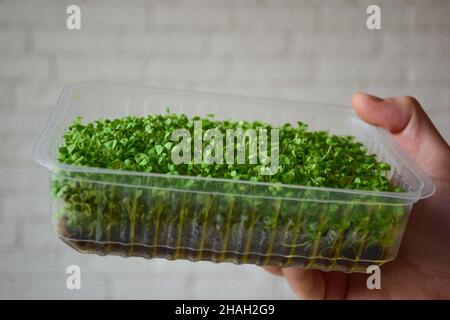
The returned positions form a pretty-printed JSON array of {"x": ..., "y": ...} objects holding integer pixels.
[
  {"x": 144, "y": 144},
  {"x": 219, "y": 220}
]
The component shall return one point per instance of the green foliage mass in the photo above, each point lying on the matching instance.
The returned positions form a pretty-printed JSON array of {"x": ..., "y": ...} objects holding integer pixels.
[
  {"x": 311, "y": 158},
  {"x": 209, "y": 219}
]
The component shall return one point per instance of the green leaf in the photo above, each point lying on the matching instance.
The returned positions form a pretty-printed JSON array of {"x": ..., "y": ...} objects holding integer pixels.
[
  {"x": 314, "y": 158},
  {"x": 159, "y": 149}
]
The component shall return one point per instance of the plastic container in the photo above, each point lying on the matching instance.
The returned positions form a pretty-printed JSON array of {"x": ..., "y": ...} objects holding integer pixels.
[{"x": 106, "y": 211}]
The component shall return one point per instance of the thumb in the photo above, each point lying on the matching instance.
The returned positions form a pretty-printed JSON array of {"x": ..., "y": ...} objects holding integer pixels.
[
  {"x": 410, "y": 126},
  {"x": 306, "y": 284}
]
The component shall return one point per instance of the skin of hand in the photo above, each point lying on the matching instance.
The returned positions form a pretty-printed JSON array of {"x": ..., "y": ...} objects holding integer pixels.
[{"x": 422, "y": 267}]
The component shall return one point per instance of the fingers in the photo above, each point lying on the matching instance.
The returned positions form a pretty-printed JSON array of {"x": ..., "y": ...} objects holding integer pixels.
[
  {"x": 306, "y": 284},
  {"x": 336, "y": 285},
  {"x": 274, "y": 270},
  {"x": 388, "y": 114},
  {"x": 410, "y": 126}
]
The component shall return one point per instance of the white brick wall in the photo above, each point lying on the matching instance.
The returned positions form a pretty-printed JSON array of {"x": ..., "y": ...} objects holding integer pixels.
[
  {"x": 27, "y": 68},
  {"x": 279, "y": 17},
  {"x": 29, "y": 13},
  {"x": 78, "y": 67},
  {"x": 191, "y": 17},
  {"x": 249, "y": 43},
  {"x": 12, "y": 41},
  {"x": 162, "y": 43},
  {"x": 189, "y": 69},
  {"x": 64, "y": 41},
  {"x": 296, "y": 49}
]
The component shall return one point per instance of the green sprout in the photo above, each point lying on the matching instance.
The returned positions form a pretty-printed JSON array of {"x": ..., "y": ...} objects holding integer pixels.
[{"x": 219, "y": 220}]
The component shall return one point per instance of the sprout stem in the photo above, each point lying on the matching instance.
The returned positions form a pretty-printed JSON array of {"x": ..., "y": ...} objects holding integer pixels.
[
  {"x": 272, "y": 232},
  {"x": 205, "y": 223},
  {"x": 227, "y": 232},
  {"x": 249, "y": 235},
  {"x": 296, "y": 233}
]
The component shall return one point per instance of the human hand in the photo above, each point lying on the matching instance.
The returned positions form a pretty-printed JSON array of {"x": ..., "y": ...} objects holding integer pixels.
[{"x": 422, "y": 267}]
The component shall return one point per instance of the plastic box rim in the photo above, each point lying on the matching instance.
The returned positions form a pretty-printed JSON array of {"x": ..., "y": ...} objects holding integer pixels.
[{"x": 40, "y": 155}]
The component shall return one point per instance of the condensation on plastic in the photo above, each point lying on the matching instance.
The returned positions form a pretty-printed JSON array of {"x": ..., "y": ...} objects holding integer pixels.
[{"x": 106, "y": 211}]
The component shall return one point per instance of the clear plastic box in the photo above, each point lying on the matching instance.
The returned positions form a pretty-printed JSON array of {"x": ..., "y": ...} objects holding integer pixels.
[{"x": 177, "y": 217}]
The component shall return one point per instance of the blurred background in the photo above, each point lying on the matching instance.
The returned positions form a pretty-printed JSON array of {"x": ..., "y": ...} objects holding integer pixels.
[{"x": 296, "y": 49}]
